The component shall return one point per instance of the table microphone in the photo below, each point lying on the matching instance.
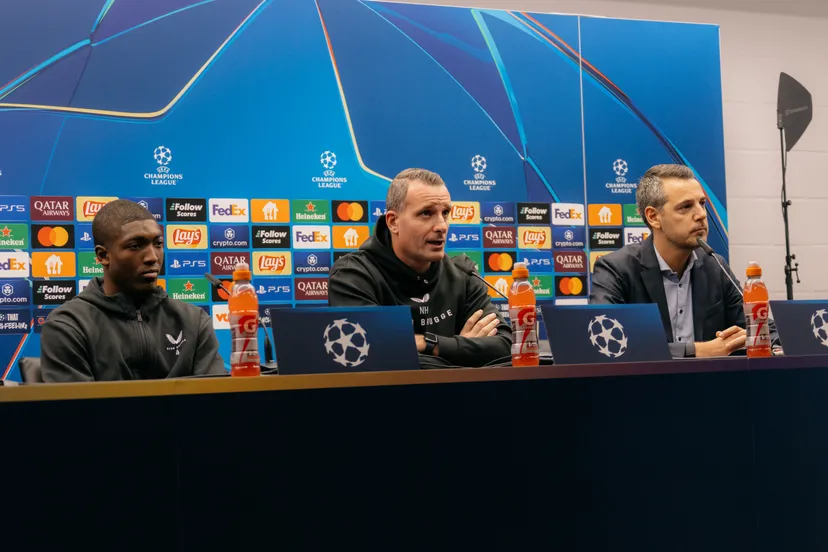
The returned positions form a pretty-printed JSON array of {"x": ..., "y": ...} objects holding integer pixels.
[
  {"x": 471, "y": 272},
  {"x": 268, "y": 345},
  {"x": 709, "y": 250}
]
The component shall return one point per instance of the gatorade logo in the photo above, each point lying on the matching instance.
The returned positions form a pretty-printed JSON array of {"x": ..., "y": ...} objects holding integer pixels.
[
  {"x": 465, "y": 213},
  {"x": 186, "y": 236}
]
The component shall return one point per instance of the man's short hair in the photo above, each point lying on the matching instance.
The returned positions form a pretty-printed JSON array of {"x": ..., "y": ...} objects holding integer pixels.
[
  {"x": 398, "y": 190},
  {"x": 650, "y": 191},
  {"x": 110, "y": 220}
]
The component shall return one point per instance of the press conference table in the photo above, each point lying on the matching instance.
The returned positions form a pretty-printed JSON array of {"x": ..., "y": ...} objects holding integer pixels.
[{"x": 725, "y": 454}]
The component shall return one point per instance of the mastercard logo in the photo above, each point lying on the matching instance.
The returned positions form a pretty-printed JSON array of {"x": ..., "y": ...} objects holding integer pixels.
[
  {"x": 350, "y": 211},
  {"x": 53, "y": 236},
  {"x": 500, "y": 262},
  {"x": 570, "y": 286}
]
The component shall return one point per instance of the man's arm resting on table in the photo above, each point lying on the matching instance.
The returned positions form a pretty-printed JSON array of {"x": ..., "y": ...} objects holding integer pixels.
[
  {"x": 493, "y": 336},
  {"x": 63, "y": 353}
]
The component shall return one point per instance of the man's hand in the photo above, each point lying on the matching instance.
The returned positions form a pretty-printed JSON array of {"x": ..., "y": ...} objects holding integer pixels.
[
  {"x": 480, "y": 327},
  {"x": 727, "y": 341},
  {"x": 421, "y": 345}
]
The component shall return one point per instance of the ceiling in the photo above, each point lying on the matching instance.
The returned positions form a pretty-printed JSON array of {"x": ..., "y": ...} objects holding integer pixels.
[{"x": 786, "y": 7}]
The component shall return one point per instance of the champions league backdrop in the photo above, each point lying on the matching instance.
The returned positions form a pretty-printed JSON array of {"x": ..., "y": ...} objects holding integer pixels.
[{"x": 268, "y": 131}]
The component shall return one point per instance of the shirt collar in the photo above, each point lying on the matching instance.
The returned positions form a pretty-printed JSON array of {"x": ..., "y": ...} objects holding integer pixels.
[{"x": 664, "y": 267}]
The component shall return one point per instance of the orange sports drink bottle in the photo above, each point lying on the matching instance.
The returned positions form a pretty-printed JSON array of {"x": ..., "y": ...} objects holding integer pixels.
[
  {"x": 523, "y": 314},
  {"x": 244, "y": 324},
  {"x": 758, "y": 343}
]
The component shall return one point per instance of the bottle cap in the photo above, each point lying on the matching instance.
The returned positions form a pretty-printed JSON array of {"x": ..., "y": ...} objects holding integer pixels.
[
  {"x": 753, "y": 269},
  {"x": 520, "y": 271},
  {"x": 242, "y": 272}
]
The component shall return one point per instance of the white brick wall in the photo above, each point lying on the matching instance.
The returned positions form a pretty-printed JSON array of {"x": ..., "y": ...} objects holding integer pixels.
[{"x": 755, "y": 48}]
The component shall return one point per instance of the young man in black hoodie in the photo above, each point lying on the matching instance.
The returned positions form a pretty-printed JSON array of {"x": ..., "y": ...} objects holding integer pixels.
[
  {"x": 123, "y": 326},
  {"x": 404, "y": 263}
]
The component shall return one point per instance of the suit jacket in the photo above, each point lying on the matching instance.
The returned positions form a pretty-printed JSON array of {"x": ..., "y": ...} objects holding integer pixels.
[{"x": 632, "y": 275}]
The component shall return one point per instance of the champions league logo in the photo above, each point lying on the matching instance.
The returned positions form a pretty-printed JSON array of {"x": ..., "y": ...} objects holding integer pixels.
[
  {"x": 163, "y": 175},
  {"x": 607, "y": 335},
  {"x": 329, "y": 178},
  {"x": 621, "y": 186},
  {"x": 346, "y": 342},
  {"x": 480, "y": 183}
]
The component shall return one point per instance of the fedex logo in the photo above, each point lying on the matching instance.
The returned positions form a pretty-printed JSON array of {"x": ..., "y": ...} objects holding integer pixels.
[
  {"x": 229, "y": 210},
  {"x": 636, "y": 235},
  {"x": 273, "y": 289},
  {"x": 14, "y": 265},
  {"x": 468, "y": 237},
  {"x": 312, "y": 237},
  {"x": 567, "y": 214}
]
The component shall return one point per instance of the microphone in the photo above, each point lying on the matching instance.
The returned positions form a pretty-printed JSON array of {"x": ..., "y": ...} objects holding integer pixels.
[
  {"x": 268, "y": 345},
  {"x": 471, "y": 272},
  {"x": 709, "y": 250}
]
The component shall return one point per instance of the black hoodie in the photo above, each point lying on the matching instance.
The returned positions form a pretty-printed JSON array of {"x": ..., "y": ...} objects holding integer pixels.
[
  {"x": 441, "y": 300},
  {"x": 95, "y": 337}
]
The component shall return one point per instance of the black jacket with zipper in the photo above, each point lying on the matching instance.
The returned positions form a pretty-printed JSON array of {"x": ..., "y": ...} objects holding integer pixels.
[
  {"x": 95, "y": 337},
  {"x": 441, "y": 300}
]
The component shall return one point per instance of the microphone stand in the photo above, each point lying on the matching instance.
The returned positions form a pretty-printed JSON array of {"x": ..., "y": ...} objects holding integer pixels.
[{"x": 789, "y": 270}]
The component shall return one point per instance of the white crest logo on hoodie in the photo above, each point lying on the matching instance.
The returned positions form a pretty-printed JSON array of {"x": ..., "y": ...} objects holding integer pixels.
[
  {"x": 176, "y": 342},
  {"x": 424, "y": 299}
]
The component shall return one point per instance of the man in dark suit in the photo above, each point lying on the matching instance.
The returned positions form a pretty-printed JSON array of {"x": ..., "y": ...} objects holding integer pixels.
[{"x": 701, "y": 310}]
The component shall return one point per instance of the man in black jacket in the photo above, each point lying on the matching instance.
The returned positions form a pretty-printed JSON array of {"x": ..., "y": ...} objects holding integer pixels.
[
  {"x": 701, "y": 310},
  {"x": 123, "y": 326},
  {"x": 404, "y": 263}
]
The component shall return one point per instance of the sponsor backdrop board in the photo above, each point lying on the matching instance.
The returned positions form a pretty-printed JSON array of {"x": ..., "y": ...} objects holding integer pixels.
[{"x": 268, "y": 131}]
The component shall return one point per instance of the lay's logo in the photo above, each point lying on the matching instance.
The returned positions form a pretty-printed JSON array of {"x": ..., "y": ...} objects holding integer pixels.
[
  {"x": 272, "y": 263},
  {"x": 88, "y": 207},
  {"x": 185, "y": 236},
  {"x": 534, "y": 237},
  {"x": 467, "y": 212}
]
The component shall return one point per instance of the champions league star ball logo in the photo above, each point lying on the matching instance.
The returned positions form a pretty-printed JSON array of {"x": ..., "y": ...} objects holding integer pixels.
[
  {"x": 346, "y": 342},
  {"x": 620, "y": 168},
  {"x": 328, "y": 161},
  {"x": 607, "y": 335},
  {"x": 478, "y": 164},
  {"x": 162, "y": 155},
  {"x": 819, "y": 325}
]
